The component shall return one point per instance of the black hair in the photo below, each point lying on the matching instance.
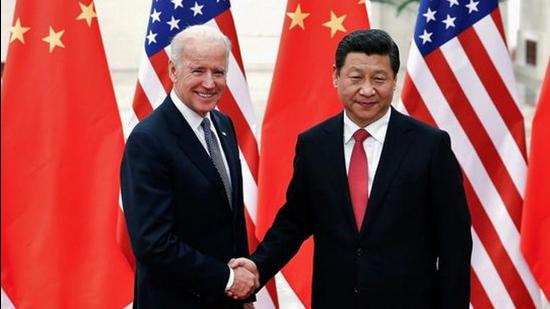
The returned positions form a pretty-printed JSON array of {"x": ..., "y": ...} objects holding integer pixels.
[{"x": 371, "y": 41}]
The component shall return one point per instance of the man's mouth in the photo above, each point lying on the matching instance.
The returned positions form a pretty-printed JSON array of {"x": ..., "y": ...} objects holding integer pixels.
[{"x": 205, "y": 95}]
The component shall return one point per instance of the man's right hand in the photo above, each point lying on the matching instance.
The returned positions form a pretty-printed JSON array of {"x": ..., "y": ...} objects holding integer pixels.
[
  {"x": 248, "y": 264},
  {"x": 244, "y": 283}
]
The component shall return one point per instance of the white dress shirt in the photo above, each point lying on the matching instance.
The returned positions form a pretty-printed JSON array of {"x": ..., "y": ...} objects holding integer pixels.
[
  {"x": 372, "y": 145},
  {"x": 194, "y": 120}
]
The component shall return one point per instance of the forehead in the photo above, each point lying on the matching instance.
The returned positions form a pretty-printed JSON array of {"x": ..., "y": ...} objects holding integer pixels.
[
  {"x": 362, "y": 61},
  {"x": 205, "y": 52}
]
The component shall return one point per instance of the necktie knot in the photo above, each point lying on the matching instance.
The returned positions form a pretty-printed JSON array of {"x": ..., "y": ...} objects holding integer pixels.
[
  {"x": 360, "y": 135},
  {"x": 205, "y": 124}
]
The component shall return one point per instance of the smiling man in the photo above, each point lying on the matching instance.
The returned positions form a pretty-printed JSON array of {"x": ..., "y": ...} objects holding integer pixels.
[
  {"x": 380, "y": 192},
  {"x": 182, "y": 187}
]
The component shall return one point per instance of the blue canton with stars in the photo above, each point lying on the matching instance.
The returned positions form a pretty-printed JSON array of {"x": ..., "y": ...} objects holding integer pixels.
[
  {"x": 441, "y": 20},
  {"x": 168, "y": 17}
]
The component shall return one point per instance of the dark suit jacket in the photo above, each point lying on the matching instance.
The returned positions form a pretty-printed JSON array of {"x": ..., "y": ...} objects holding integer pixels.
[
  {"x": 182, "y": 229},
  {"x": 414, "y": 248}
]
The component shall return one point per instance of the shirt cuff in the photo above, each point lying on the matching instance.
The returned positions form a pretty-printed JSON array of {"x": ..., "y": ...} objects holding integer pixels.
[{"x": 231, "y": 279}]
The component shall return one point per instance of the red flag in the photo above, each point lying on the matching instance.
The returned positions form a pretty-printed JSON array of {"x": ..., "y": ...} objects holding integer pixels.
[
  {"x": 460, "y": 78},
  {"x": 61, "y": 148},
  {"x": 535, "y": 224},
  {"x": 301, "y": 95}
]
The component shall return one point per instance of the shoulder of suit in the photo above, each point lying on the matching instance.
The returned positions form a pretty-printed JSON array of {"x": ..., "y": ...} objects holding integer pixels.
[
  {"x": 219, "y": 114},
  {"x": 155, "y": 120},
  {"x": 222, "y": 118},
  {"x": 415, "y": 124},
  {"x": 327, "y": 125}
]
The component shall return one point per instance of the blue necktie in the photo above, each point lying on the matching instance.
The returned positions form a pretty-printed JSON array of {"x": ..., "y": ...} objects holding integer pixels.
[{"x": 216, "y": 156}]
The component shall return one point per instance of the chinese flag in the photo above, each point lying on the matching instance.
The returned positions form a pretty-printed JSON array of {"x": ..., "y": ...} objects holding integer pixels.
[
  {"x": 302, "y": 95},
  {"x": 535, "y": 224},
  {"x": 61, "y": 148}
]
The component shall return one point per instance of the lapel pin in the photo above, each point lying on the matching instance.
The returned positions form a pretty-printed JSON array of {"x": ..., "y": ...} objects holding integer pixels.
[{"x": 223, "y": 133}]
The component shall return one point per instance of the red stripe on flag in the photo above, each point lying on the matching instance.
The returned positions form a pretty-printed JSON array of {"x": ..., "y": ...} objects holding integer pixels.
[
  {"x": 141, "y": 104},
  {"x": 226, "y": 24},
  {"x": 501, "y": 97},
  {"x": 159, "y": 61},
  {"x": 414, "y": 103},
  {"x": 247, "y": 141},
  {"x": 478, "y": 298},
  {"x": 499, "y": 257},
  {"x": 477, "y": 134}
]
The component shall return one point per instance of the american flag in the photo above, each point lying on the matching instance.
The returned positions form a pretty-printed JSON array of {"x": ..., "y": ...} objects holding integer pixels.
[
  {"x": 459, "y": 78},
  {"x": 166, "y": 19}
]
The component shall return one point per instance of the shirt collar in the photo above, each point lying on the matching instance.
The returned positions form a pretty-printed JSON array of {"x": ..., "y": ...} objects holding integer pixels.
[
  {"x": 377, "y": 129},
  {"x": 192, "y": 118}
]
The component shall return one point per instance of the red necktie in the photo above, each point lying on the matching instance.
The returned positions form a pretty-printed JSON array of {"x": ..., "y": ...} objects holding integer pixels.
[{"x": 358, "y": 177}]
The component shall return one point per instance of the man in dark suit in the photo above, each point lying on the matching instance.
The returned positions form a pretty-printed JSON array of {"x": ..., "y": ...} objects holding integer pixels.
[
  {"x": 182, "y": 187},
  {"x": 380, "y": 192}
]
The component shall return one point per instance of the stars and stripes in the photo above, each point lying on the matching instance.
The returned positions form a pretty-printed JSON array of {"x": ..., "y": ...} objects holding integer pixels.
[
  {"x": 459, "y": 78},
  {"x": 166, "y": 19}
]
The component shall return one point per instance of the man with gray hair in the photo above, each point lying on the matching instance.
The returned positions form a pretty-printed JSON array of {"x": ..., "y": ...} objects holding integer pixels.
[{"x": 182, "y": 187}]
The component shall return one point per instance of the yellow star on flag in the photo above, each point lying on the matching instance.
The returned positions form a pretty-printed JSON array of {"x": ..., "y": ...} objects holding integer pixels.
[
  {"x": 17, "y": 32},
  {"x": 297, "y": 17},
  {"x": 335, "y": 23},
  {"x": 361, "y": 2},
  {"x": 87, "y": 13},
  {"x": 54, "y": 39}
]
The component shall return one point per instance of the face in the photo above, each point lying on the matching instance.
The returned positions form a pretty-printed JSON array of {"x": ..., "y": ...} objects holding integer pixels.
[
  {"x": 200, "y": 77},
  {"x": 365, "y": 85}
]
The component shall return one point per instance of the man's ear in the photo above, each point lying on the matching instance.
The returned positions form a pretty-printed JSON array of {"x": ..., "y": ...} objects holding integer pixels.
[
  {"x": 172, "y": 71},
  {"x": 334, "y": 76}
]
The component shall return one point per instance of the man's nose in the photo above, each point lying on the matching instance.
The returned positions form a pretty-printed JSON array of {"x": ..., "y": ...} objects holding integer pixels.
[
  {"x": 367, "y": 89},
  {"x": 208, "y": 81}
]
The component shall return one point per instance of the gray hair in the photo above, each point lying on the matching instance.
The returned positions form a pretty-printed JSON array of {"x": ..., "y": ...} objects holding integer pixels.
[{"x": 197, "y": 32}]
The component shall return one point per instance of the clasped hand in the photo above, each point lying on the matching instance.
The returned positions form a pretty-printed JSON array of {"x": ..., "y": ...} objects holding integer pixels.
[{"x": 246, "y": 280}]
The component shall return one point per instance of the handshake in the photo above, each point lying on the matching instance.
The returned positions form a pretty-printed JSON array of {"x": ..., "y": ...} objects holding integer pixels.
[{"x": 246, "y": 279}]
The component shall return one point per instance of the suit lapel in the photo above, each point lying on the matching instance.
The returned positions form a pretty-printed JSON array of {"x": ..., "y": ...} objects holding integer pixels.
[
  {"x": 191, "y": 145},
  {"x": 334, "y": 144},
  {"x": 396, "y": 145}
]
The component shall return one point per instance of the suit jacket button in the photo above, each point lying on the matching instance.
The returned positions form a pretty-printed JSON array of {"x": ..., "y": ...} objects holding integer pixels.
[
  {"x": 359, "y": 252},
  {"x": 355, "y": 291}
]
